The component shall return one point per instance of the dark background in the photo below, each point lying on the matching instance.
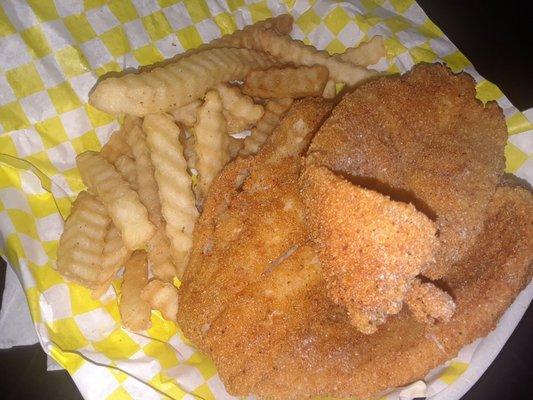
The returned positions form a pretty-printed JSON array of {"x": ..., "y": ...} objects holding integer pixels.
[{"x": 496, "y": 39}]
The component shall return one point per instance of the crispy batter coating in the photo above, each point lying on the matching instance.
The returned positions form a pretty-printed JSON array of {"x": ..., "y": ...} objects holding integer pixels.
[
  {"x": 254, "y": 299},
  {"x": 423, "y": 133},
  {"x": 428, "y": 303},
  {"x": 371, "y": 247},
  {"x": 251, "y": 217},
  {"x": 279, "y": 336}
]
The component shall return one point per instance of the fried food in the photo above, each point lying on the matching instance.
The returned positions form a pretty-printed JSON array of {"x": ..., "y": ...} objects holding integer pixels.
[
  {"x": 330, "y": 90},
  {"x": 235, "y": 245},
  {"x": 114, "y": 255},
  {"x": 253, "y": 297},
  {"x": 286, "y": 82},
  {"x": 239, "y": 107},
  {"x": 211, "y": 141},
  {"x": 134, "y": 311},
  {"x": 116, "y": 146},
  {"x": 186, "y": 115},
  {"x": 174, "y": 184},
  {"x": 122, "y": 203},
  {"x": 247, "y": 37},
  {"x": 425, "y": 136},
  {"x": 158, "y": 247},
  {"x": 126, "y": 166},
  {"x": 82, "y": 242},
  {"x": 274, "y": 110},
  {"x": 162, "y": 296},
  {"x": 289, "y": 50},
  {"x": 366, "y": 53},
  {"x": 371, "y": 248},
  {"x": 175, "y": 84}
]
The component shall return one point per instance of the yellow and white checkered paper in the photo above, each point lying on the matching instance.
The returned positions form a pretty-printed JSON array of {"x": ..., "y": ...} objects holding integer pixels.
[{"x": 51, "y": 54}]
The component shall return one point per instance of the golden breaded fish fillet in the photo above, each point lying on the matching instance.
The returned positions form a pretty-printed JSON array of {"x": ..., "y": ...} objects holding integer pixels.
[
  {"x": 426, "y": 135},
  {"x": 251, "y": 217}
]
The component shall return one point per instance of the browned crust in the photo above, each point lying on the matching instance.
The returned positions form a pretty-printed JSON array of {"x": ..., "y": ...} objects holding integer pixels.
[{"x": 425, "y": 133}]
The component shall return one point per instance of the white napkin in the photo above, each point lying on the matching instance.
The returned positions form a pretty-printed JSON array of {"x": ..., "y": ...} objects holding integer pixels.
[{"x": 16, "y": 327}]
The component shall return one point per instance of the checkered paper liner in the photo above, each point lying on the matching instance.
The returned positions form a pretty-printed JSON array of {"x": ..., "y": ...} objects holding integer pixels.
[{"x": 51, "y": 54}]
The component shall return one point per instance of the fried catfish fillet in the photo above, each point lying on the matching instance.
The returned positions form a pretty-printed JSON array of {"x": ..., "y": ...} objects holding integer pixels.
[
  {"x": 281, "y": 336},
  {"x": 426, "y": 134},
  {"x": 250, "y": 219},
  {"x": 371, "y": 248}
]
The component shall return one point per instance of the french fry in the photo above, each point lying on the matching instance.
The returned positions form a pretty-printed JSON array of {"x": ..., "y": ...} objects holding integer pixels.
[
  {"x": 81, "y": 245},
  {"x": 286, "y": 82},
  {"x": 114, "y": 256},
  {"x": 211, "y": 141},
  {"x": 116, "y": 146},
  {"x": 175, "y": 84},
  {"x": 162, "y": 296},
  {"x": 366, "y": 53},
  {"x": 134, "y": 311},
  {"x": 235, "y": 124},
  {"x": 158, "y": 247},
  {"x": 330, "y": 90},
  {"x": 234, "y": 147},
  {"x": 126, "y": 166},
  {"x": 245, "y": 38},
  {"x": 175, "y": 191},
  {"x": 274, "y": 110},
  {"x": 288, "y": 50},
  {"x": 239, "y": 105},
  {"x": 122, "y": 203},
  {"x": 187, "y": 114},
  {"x": 294, "y": 133}
]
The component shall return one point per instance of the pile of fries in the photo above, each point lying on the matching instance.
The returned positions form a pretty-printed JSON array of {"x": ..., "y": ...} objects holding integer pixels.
[{"x": 146, "y": 186}]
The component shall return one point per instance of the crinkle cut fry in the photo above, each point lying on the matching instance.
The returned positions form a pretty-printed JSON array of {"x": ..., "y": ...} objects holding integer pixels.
[
  {"x": 158, "y": 247},
  {"x": 126, "y": 166},
  {"x": 175, "y": 84},
  {"x": 134, "y": 311},
  {"x": 122, "y": 203},
  {"x": 114, "y": 255},
  {"x": 174, "y": 183},
  {"x": 282, "y": 24},
  {"x": 162, "y": 296},
  {"x": 239, "y": 105},
  {"x": 274, "y": 110},
  {"x": 116, "y": 146},
  {"x": 288, "y": 50},
  {"x": 286, "y": 82},
  {"x": 211, "y": 141},
  {"x": 366, "y": 53},
  {"x": 82, "y": 242}
]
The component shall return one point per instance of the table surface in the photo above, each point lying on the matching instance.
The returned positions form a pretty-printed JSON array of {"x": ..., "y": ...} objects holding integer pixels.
[{"x": 496, "y": 40}]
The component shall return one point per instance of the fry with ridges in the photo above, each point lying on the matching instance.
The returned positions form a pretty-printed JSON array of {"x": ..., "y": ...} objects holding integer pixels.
[
  {"x": 116, "y": 146},
  {"x": 122, "y": 203},
  {"x": 286, "y": 82},
  {"x": 274, "y": 110},
  {"x": 176, "y": 84},
  {"x": 162, "y": 296},
  {"x": 134, "y": 311},
  {"x": 158, "y": 247},
  {"x": 288, "y": 50},
  {"x": 211, "y": 141},
  {"x": 81, "y": 245},
  {"x": 175, "y": 192},
  {"x": 126, "y": 166}
]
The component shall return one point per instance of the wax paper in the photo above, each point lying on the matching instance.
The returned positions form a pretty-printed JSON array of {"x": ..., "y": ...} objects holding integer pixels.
[{"x": 51, "y": 54}]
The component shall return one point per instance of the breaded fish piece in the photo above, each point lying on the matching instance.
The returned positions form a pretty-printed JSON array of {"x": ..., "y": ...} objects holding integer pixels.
[
  {"x": 371, "y": 247},
  {"x": 321, "y": 353},
  {"x": 426, "y": 134},
  {"x": 252, "y": 216}
]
